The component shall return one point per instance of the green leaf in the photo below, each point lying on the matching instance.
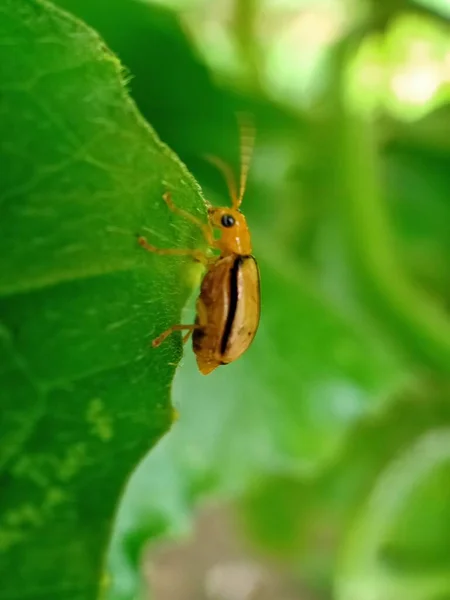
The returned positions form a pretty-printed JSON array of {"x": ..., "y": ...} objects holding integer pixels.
[{"x": 83, "y": 394}]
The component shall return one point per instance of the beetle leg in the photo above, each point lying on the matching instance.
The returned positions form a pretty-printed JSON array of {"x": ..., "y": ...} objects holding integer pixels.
[
  {"x": 188, "y": 335},
  {"x": 161, "y": 338},
  {"x": 206, "y": 229},
  {"x": 198, "y": 255}
]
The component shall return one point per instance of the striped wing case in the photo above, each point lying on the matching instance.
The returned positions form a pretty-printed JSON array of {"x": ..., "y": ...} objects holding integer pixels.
[{"x": 228, "y": 311}]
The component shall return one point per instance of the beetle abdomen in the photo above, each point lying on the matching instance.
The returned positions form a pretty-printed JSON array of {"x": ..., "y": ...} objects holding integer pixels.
[{"x": 228, "y": 311}]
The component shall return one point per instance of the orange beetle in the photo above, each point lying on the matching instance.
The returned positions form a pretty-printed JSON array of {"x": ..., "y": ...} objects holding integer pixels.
[{"x": 228, "y": 307}]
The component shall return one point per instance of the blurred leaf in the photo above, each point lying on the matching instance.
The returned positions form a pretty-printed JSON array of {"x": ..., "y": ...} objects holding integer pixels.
[
  {"x": 360, "y": 572},
  {"x": 296, "y": 39},
  {"x": 365, "y": 232},
  {"x": 83, "y": 395},
  {"x": 420, "y": 539},
  {"x": 440, "y": 6},
  {"x": 417, "y": 184},
  {"x": 415, "y": 52},
  {"x": 403, "y": 70},
  {"x": 303, "y": 521}
]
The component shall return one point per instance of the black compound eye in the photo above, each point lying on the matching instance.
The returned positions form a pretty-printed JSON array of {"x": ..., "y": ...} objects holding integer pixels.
[{"x": 227, "y": 221}]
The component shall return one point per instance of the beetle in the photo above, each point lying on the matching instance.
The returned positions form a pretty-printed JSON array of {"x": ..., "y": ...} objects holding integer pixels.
[{"x": 229, "y": 305}]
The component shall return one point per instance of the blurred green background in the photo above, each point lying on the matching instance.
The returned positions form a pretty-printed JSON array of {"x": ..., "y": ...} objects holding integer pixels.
[{"x": 330, "y": 438}]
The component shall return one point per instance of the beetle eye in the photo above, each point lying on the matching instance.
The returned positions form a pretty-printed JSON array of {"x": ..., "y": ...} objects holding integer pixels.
[{"x": 227, "y": 221}]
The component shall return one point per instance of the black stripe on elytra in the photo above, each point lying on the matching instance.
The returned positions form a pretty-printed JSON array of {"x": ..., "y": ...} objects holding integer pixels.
[{"x": 233, "y": 302}]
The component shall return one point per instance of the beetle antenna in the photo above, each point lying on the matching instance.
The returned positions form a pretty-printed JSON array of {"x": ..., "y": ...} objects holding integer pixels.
[
  {"x": 228, "y": 175},
  {"x": 247, "y": 134}
]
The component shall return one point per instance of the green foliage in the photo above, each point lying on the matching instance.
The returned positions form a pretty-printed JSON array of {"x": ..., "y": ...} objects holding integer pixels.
[
  {"x": 331, "y": 433},
  {"x": 395, "y": 529},
  {"x": 83, "y": 396}
]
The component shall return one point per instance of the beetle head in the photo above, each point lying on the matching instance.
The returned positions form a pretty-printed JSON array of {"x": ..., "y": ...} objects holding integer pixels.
[{"x": 235, "y": 236}]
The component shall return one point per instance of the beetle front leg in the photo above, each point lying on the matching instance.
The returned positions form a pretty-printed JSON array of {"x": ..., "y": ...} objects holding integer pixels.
[
  {"x": 197, "y": 255},
  {"x": 206, "y": 228}
]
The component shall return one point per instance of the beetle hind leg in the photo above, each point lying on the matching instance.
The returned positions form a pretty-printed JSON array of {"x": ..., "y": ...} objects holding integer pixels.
[
  {"x": 161, "y": 338},
  {"x": 187, "y": 335}
]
